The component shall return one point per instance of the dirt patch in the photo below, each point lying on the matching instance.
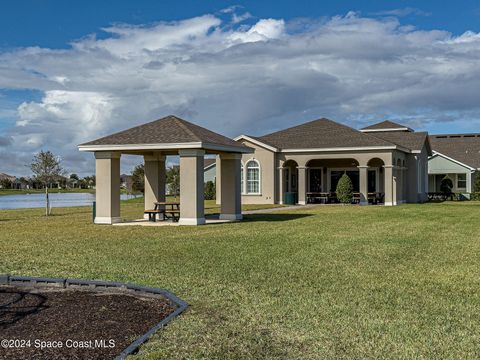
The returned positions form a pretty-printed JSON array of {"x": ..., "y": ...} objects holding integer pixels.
[{"x": 74, "y": 324}]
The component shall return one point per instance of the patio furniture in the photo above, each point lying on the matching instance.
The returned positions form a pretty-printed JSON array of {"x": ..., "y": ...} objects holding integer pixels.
[
  {"x": 152, "y": 214},
  {"x": 171, "y": 210},
  {"x": 356, "y": 198}
]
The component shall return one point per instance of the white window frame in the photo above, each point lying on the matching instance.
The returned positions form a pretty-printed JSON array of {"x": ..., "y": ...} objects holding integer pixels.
[
  {"x": 259, "y": 177},
  {"x": 242, "y": 178},
  {"x": 456, "y": 182}
]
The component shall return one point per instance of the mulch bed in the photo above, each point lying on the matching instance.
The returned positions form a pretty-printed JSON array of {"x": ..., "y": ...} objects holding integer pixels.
[{"x": 75, "y": 318}]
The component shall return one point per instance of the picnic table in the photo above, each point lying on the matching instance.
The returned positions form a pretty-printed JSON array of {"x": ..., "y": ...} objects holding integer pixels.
[{"x": 168, "y": 209}]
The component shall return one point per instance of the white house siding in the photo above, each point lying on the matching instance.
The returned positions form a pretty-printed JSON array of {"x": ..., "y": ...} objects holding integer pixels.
[{"x": 439, "y": 166}]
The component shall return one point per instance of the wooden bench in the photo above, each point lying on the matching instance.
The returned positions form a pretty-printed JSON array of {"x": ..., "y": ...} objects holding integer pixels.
[{"x": 152, "y": 214}]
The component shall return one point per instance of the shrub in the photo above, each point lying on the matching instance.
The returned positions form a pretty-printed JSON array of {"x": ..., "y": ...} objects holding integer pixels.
[
  {"x": 345, "y": 189},
  {"x": 446, "y": 185},
  {"x": 475, "y": 196},
  {"x": 476, "y": 184},
  {"x": 209, "y": 190}
]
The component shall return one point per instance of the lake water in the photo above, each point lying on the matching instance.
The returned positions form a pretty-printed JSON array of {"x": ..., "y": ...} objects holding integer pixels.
[{"x": 23, "y": 201}]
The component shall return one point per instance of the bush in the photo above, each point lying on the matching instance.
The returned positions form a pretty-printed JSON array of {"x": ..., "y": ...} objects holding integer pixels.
[
  {"x": 475, "y": 196},
  {"x": 209, "y": 192},
  {"x": 476, "y": 184},
  {"x": 345, "y": 189},
  {"x": 446, "y": 185}
]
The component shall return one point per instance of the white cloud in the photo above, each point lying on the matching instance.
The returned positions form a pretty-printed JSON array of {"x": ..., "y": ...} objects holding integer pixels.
[{"x": 246, "y": 79}]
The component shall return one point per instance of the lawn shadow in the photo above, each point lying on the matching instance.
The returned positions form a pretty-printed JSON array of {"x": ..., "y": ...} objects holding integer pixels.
[{"x": 16, "y": 305}]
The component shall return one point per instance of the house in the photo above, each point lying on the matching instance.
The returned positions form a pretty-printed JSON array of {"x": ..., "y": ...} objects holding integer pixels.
[
  {"x": 126, "y": 182},
  {"x": 386, "y": 162},
  {"x": 6, "y": 179},
  {"x": 456, "y": 156},
  {"x": 209, "y": 170}
]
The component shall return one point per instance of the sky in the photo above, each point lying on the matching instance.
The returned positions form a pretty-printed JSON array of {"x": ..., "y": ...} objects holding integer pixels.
[{"x": 73, "y": 71}]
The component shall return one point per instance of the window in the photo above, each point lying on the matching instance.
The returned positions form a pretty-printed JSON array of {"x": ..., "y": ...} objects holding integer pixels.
[
  {"x": 242, "y": 188},
  {"x": 461, "y": 181},
  {"x": 253, "y": 177}
]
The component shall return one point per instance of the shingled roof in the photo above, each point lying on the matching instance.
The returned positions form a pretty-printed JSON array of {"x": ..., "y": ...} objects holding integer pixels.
[
  {"x": 386, "y": 125},
  {"x": 411, "y": 140},
  {"x": 464, "y": 148},
  {"x": 322, "y": 133},
  {"x": 169, "y": 130}
]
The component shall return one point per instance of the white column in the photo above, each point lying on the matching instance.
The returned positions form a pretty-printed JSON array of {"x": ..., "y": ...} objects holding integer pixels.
[
  {"x": 302, "y": 185},
  {"x": 191, "y": 187},
  {"x": 469, "y": 182},
  {"x": 363, "y": 175},
  {"x": 218, "y": 180},
  {"x": 281, "y": 184},
  {"x": 107, "y": 170},
  {"x": 231, "y": 206},
  {"x": 154, "y": 180}
]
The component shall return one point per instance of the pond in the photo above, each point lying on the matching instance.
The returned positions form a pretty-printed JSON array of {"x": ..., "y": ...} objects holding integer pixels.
[{"x": 37, "y": 200}]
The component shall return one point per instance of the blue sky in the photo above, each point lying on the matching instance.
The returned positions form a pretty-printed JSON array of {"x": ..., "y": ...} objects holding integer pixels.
[
  {"x": 70, "y": 71},
  {"x": 50, "y": 23}
]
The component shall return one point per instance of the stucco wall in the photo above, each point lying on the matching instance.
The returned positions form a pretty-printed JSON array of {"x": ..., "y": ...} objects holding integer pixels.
[{"x": 267, "y": 175}]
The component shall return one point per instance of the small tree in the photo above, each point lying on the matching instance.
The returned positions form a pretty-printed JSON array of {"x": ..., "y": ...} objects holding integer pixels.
[
  {"x": 209, "y": 190},
  {"x": 138, "y": 178},
  {"x": 345, "y": 189},
  {"x": 46, "y": 168},
  {"x": 173, "y": 180},
  {"x": 446, "y": 185}
]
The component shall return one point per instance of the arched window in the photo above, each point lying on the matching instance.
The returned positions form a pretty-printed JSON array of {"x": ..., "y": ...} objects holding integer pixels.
[{"x": 253, "y": 177}]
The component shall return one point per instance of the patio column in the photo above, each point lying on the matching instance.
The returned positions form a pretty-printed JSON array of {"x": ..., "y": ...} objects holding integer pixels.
[
  {"x": 388, "y": 170},
  {"x": 154, "y": 180},
  {"x": 107, "y": 172},
  {"x": 191, "y": 187},
  {"x": 302, "y": 185},
  {"x": 400, "y": 185},
  {"x": 281, "y": 184},
  {"x": 218, "y": 180},
  {"x": 231, "y": 205},
  {"x": 363, "y": 176}
]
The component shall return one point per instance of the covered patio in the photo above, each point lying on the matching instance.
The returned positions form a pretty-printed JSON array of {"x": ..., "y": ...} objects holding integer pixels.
[{"x": 169, "y": 136}]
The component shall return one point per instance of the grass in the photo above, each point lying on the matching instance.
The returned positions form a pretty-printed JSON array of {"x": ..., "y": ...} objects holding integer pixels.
[{"x": 319, "y": 282}]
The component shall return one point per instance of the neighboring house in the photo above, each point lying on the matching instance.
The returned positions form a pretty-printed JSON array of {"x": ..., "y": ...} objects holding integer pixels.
[
  {"x": 10, "y": 178},
  {"x": 126, "y": 182},
  {"x": 209, "y": 170},
  {"x": 385, "y": 158},
  {"x": 456, "y": 156}
]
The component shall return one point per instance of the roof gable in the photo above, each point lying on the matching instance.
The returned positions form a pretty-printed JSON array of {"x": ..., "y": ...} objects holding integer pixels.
[
  {"x": 385, "y": 125},
  {"x": 321, "y": 134},
  {"x": 414, "y": 141},
  {"x": 440, "y": 163}
]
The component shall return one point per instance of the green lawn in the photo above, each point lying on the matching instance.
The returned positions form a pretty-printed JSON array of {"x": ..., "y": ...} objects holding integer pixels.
[{"x": 322, "y": 282}]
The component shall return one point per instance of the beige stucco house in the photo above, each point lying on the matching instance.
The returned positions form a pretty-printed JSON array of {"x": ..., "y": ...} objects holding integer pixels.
[{"x": 386, "y": 162}]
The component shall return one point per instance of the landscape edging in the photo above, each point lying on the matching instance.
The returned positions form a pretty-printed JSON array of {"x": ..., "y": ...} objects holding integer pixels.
[{"x": 6, "y": 279}]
